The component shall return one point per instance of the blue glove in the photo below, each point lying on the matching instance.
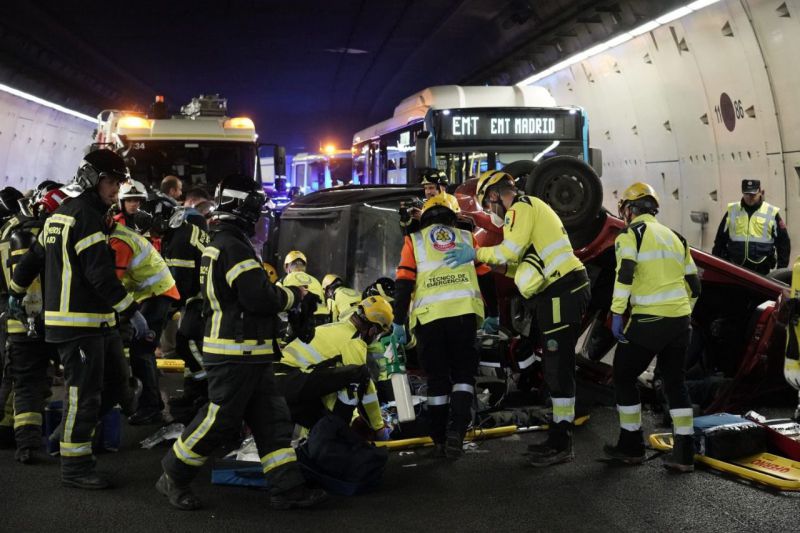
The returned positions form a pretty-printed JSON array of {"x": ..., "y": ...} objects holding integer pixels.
[
  {"x": 617, "y": 328},
  {"x": 383, "y": 434},
  {"x": 15, "y": 306},
  {"x": 139, "y": 323},
  {"x": 399, "y": 333},
  {"x": 491, "y": 324},
  {"x": 462, "y": 253}
]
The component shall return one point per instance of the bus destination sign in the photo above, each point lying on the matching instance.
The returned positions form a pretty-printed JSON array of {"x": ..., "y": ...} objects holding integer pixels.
[{"x": 505, "y": 125}]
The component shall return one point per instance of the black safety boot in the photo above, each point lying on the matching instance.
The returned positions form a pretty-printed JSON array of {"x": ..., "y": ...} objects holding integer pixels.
[
  {"x": 298, "y": 497},
  {"x": 179, "y": 496},
  {"x": 87, "y": 481},
  {"x": 681, "y": 459},
  {"x": 436, "y": 452},
  {"x": 27, "y": 456},
  {"x": 629, "y": 448},
  {"x": 558, "y": 448},
  {"x": 454, "y": 445}
]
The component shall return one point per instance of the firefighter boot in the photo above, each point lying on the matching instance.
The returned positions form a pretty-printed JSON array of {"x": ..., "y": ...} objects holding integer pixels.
[
  {"x": 558, "y": 448},
  {"x": 629, "y": 448},
  {"x": 681, "y": 459},
  {"x": 297, "y": 498},
  {"x": 179, "y": 496}
]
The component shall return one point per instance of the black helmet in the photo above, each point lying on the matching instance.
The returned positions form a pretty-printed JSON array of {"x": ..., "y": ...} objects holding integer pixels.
[
  {"x": 9, "y": 201},
  {"x": 382, "y": 287},
  {"x": 432, "y": 176},
  {"x": 161, "y": 207},
  {"x": 239, "y": 200},
  {"x": 99, "y": 164}
]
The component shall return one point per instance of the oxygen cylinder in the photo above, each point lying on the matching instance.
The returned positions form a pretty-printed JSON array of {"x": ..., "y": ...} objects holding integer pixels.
[{"x": 396, "y": 368}]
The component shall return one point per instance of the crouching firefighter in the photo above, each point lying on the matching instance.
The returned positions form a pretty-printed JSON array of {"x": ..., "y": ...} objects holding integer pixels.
[
  {"x": 556, "y": 288},
  {"x": 446, "y": 312},
  {"x": 241, "y": 307},
  {"x": 329, "y": 374},
  {"x": 656, "y": 274}
]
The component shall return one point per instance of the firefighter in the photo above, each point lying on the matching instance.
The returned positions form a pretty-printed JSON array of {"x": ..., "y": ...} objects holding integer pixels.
[
  {"x": 295, "y": 261},
  {"x": 341, "y": 300},
  {"x": 241, "y": 307},
  {"x": 791, "y": 364},
  {"x": 132, "y": 195},
  {"x": 752, "y": 232},
  {"x": 446, "y": 313},
  {"x": 145, "y": 275},
  {"x": 29, "y": 356},
  {"x": 434, "y": 182},
  {"x": 82, "y": 299},
  {"x": 329, "y": 374},
  {"x": 555, "y": 287},
  {"x": 657, "y": 276}
]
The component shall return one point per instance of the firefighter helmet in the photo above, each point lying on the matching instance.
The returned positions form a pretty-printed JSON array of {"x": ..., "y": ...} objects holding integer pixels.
[
  {"x": 432, "y": 176},
  {"x": 640, "y": 196},
  {"x": 132, "y": 189},
  {"x": 100, "y": 164},
  {"x": 239, "y": 200},
  {"x": 383, "y": 287},
  {"x": 293, "y": 256},
  {"x": 377, "y": 310}
]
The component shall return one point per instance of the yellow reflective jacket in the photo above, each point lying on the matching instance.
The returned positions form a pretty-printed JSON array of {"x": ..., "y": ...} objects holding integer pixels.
[
  {"x": 535, "y": 240},
  {"x": 659, "y": 260},
  {"x": 344, "y": 302},
  {"x": 147, "y": 274}
]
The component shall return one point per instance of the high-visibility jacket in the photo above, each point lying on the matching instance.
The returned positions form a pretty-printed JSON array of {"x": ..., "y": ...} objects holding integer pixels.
[
  {"x": 83, "y": 293},
  {"x": 140, "y": 267},
  {"x": 311, "y": 283},
  {"x": 652, "y": 264},
  {"x": 182, "y": 248},
  {"x": 344, "y": 302},
  {"x": 441, "y": 291},
  {"x": 21, "y": 237},
  {"x": 335, "y": 341},
  {"x": 239, "y": 302},
  {"x": 535, "y": 240},
  {"x": 752, "y": 237}
]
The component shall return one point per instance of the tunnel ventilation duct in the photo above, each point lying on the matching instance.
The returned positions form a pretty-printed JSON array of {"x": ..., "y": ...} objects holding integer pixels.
[
  {"x": 667, "y": 126},
  {"x": 783, "y": 11},
  {"x": 751, "y": 111},
  {"x": 704, "y": 119},
  {"x": 726, "y": 30}
]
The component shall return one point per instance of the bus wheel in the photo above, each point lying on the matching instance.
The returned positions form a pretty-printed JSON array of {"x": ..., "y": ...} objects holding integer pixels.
[{"x": 570, "y": 186}]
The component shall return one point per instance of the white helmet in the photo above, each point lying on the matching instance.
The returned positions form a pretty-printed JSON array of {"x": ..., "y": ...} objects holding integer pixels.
[{"x": 132, "y": 189}]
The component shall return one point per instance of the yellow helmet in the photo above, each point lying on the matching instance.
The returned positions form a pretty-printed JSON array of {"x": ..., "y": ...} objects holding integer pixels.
[
  {"x": 637, "y": 192},
  {"x": 272, "y": 274},
  {"x": 297, "y": 279},
  {"x": 489, "y": 178},
  {"x": 441, "y": 200},
  {"x": 293, "y": 256},
  {"x": 432, "y": 176},
  {"x": 329, "y": 280},
  {"x": 377, "y": 310}
]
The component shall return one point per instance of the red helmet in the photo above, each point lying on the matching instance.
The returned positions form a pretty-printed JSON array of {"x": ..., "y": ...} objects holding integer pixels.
[{"x": 51, "y": 200}]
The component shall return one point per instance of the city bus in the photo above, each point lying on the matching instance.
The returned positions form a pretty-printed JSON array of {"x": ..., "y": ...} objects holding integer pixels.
[{"x": 329, "y": 168}]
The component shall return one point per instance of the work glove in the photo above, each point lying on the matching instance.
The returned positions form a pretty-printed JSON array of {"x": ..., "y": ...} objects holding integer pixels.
[
  {"x": 791, "y": 372},
  {"x": 462, "y": 253},
  {"x": 491, "y": 324},
  {"x": 399, "y": 334},
  {"x": 618, "y": 327},
  {"x": 301, "y": 317},
  {"x": 15, "y": 307},
  {"x": 383, "y": 434},
  {"x": 139, "y": 323}
]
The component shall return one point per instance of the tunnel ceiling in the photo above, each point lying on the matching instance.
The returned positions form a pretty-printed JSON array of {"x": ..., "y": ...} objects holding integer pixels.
[{"x": 307, "y": 72}]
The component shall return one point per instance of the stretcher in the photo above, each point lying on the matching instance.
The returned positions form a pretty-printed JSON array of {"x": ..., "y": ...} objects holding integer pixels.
[
  {"x": 783, "y": 435},
  {"x": 768, "y": 469},
  {"x": 170, "y": 365},
  {"x": 472, "y": 435}
]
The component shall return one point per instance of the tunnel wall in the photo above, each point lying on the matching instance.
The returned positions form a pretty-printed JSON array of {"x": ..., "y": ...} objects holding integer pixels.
[
  {"x": 38, "y": 143},
  {"x": 695, "y": 106}
]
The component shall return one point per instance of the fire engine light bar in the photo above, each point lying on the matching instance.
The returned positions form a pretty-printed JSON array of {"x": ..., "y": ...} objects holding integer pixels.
[
  {"x": 619, "y": 39},
  {"x": 239, "y": 123},
  {"x": 134, "y": 122},
  {"x": 46, "y": 103}
]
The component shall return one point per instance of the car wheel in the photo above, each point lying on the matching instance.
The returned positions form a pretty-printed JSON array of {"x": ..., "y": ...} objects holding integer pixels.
[{"x": 571, "y": 187}]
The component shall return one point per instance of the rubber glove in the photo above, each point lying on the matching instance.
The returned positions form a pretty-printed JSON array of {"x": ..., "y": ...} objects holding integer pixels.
[
  {"x": 399, "y": 333},
  {"x": 462, "y": 253},
  {"x": 617, "y": 328},
  {"x": 139, "y": 323},
  {"x": 791, "y": 371},
  {"x": 383, "y": 434},
  {"x": 15, "y": 306},
  {"x": 491, "y": 324}
]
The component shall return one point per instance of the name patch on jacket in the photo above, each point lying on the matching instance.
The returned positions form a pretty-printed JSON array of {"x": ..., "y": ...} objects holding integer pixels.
[{"x": 449, "y": 279}]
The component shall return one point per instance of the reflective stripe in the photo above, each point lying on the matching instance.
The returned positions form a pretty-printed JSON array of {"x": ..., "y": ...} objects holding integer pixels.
[
  {"x": 213, "y": 302},
  {"x": 82, "y": 320},
  {"x": 511, "y": 245},
  {"x": 427, "y": 266},
  {"x": 316, "y": 357},
  {"x": 563, "y": 410},
  {"x": 691, "y": 268},
  {"x": 552, "y": 266},
  {"x": 231, "y": 347},
  {"x": 682, "y": 421},
  {"x": 239, "y": 268},
  {"x": 194, "y": 240},
  {"x": 464, "y": 387},
  {"x": 75, "y": 449},
  {"x": 419, "y": 247},
  {"x": 27, "y": 419},
  {"x": 86, "y": 242},
  {"x": 552, "y": 247},
  {"x": 273, "y": 460},
  {"x": 66, "y": 271},
  {"x": 621, "y": 292},
  {"x": 344, "y": 397},
  {"x": 185, "y": 455},
  {"x": 201, "y": 430},
  {"x": 72, "y": 408},
  {"x": 62, "y": 219},
  {"x": 152, "y": 280},
  {"x": 123, "y": 304},
  {"x": 527, "y": 362},
  {"x": 181, "y": 263},
  {"x": 439, "y": 400},
  {"x": 556, "y": 304},
  {"x": 659, "y": 297},
  {"x": 198, "y": 356},
  {"x": 630, "y": 417},
  {"x": 139, "y": 258},
  {"x": 627, "y": 253},
  {"x": 660, "y": 254},
  {"x": 369, "y": 398},
  {"x": 19, "y": 289},
  {"x": 445, "y": 296}
]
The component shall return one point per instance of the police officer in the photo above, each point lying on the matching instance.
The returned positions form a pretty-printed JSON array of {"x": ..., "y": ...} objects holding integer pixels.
[
  {"x": 555, "y": 285},
  {"x": 341, "y": 300},
  {"x": 446, "y": 313},
  {"x": 752, "y": 232},
  {"x": 241, "y": 307},
  {"x": 28, "y": 353},
  {"x": 329, "y": 374},
  {"x": 80, "y": 304},
  {"x": 658, "y": 278}
]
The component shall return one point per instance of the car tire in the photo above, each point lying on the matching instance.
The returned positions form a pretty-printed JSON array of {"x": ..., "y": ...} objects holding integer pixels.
[{"x": 571, "y": 187}]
